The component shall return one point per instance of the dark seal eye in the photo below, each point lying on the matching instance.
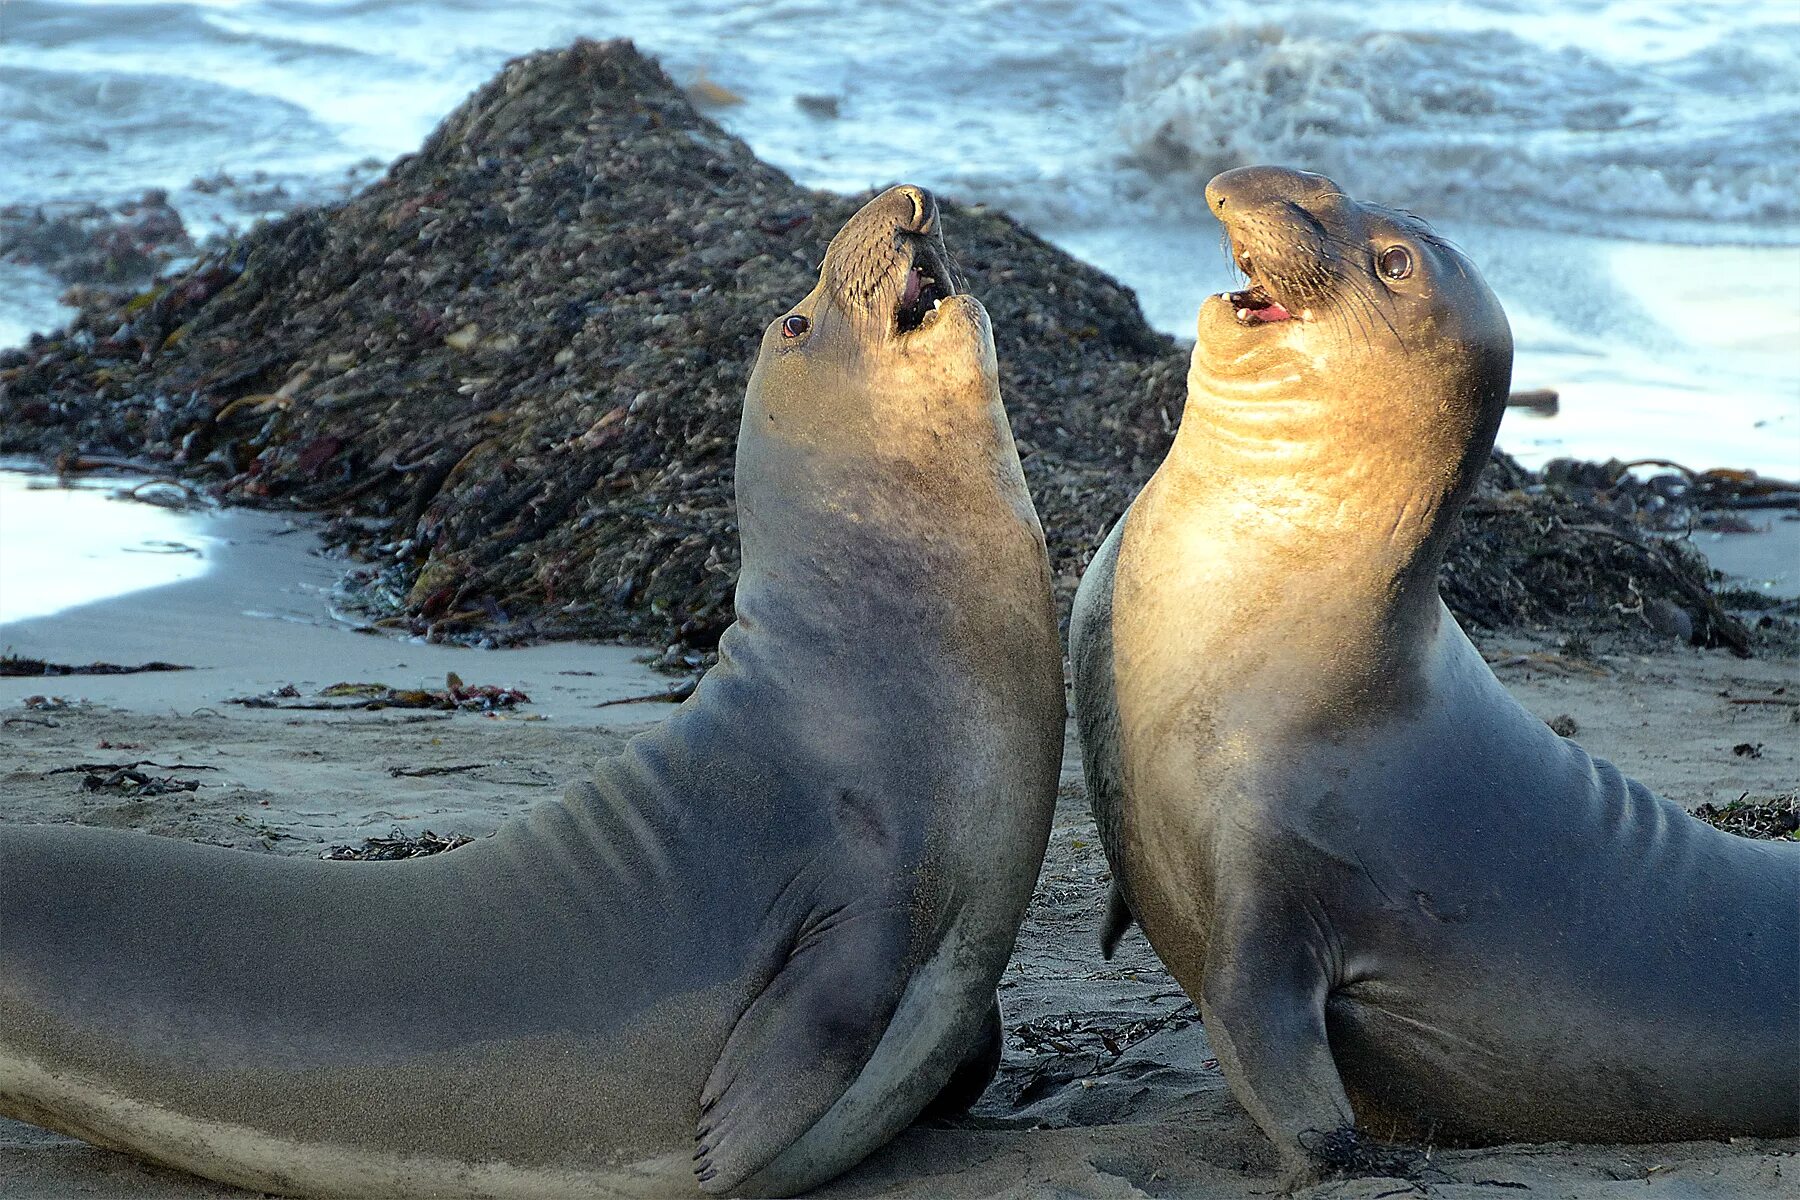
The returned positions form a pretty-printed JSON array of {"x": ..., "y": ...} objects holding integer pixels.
[
  {"x": 794, "y": 326},
  {"x": 1395, "y": 262}
]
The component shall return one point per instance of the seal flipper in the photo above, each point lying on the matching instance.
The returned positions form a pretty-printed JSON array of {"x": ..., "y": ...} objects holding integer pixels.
[
  {"x": 1262, "y": 1000},
  {"x": 973, "y": 1074},
  {"x": 801, "y": 1043},
  {"x": 1119, "y": 919}
]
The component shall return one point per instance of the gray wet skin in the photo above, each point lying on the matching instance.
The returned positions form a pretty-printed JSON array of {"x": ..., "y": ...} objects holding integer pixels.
[
  {"x": 1399, "y": 899},
  {"x": 740, "y": 957}
]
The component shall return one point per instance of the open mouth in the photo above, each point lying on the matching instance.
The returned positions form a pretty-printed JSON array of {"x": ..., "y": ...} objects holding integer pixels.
[
  {"x": 1256, "y": 307},
  {"x": 928, "y": 284}
]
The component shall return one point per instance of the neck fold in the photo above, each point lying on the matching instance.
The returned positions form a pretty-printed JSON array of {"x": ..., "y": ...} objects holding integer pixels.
[{"x": 1290, "y": 541}]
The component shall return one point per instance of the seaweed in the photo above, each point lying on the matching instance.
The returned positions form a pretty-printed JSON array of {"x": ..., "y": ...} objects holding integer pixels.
[
  {"x": 14, "y": 666},
  {"x": 1776, "y": 818},
  {"x": 397, "y": 845}
]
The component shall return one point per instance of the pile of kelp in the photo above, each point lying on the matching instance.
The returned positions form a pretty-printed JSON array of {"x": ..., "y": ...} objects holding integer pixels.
[
  {"x": 512, "y": 370},
  {"x": 1773, "y": 818}
]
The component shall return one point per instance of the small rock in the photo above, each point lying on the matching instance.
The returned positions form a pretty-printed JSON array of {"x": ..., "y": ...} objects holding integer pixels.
[
  {"x": 1543, "y": 401},
  {"x": 1669, "y": 618}
]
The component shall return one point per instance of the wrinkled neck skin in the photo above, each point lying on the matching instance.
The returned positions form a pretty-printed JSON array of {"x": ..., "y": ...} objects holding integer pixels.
[
  {"x": 895, "y": 639},
  {"x": 870, "y": 513},
  {"x": 1287, "y": 551}
]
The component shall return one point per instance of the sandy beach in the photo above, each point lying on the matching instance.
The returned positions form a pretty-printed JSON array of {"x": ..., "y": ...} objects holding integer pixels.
[{"x": 1108, "y": 1088}]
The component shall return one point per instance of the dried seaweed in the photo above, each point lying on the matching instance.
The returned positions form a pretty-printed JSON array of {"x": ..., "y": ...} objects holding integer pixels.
[
  {"x": 136, "y": 783},
  {"x": 454, "y": 696},
  {"x": 14, "y": 666},
  {"x": 1776, "y": 818},
  {"x": 395, "y": 846}
]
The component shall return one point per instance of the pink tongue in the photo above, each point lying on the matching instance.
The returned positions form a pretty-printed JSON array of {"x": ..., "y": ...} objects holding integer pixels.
[
  {"x": 1271, "y": 312},
  {"x": 913, "y": 284}
]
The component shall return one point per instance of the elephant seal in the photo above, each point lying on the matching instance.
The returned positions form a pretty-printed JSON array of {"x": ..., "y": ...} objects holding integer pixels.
[
  {"x": 741, "y": 956},
  {"x": 1402, "y": 903}
]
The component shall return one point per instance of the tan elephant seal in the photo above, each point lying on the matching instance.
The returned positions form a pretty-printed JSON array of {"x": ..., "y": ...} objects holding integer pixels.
[
  {"x": 742, "y": 956},
  {"x": 1403, "y": 904}
]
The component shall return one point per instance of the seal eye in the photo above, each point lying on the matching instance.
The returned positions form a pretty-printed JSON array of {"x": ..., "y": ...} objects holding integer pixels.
[
  {"x": 794, "y": 326},
  {"x": 1395, "y": 262}
]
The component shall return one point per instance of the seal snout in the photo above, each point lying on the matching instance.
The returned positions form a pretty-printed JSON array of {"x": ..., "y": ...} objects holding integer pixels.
[
  {"x": 1274, "y": 219},
  {"x": 1248, "y": 189},
  {"x": 922, "y": 218},
  {"x": 928, "y": 281},
  {"x": 888, "y": 264}
]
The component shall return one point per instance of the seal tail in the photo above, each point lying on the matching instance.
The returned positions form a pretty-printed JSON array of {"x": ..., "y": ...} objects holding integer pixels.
[{"x": 1118, "y": 920}]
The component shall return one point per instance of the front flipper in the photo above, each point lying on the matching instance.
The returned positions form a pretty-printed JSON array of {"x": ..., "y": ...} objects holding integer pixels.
[
  {"x": 1262, "y": 1000},
  {"x": 801, "y": 1043}
]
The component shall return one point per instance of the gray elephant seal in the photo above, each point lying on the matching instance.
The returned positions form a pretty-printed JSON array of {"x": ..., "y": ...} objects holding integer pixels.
[
  {"x": 742, "y": 956},
  {"x": 1401, "y": 902}
]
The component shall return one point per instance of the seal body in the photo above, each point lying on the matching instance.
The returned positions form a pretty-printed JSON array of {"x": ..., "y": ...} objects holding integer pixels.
[
  {"x": 745, "y": 953},
  {"x": 1400, "y": 901}
]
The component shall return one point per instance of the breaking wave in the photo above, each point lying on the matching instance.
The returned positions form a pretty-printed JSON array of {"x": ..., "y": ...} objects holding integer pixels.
[{"x": 1481, "y": 123}]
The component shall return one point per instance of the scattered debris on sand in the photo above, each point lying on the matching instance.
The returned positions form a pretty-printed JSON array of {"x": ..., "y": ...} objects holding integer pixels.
[
  {"x": 674, "y": 695},
  {"x": 454, "y": 696},
  {"x": 15, "y": 666},
  {"x": 1563, "y": 725},
  {"x": 1777, "y": 817},
  {"x": 397, "y": 845},
  {"x": 51, "y": 703},
  {"x": 136, "y": 783},
  {"x": 512, "y": 370},
  {"x": 127, "y": 778},
  {"x": 428, "y": 772}
]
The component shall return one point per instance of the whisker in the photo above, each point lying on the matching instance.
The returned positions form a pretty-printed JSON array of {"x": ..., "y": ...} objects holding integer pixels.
[{"x": 1357, "y": 285}]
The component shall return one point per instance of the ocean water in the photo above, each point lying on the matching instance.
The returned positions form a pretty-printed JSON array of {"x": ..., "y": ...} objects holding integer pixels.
[
  {"x": 70, "y": 545},
  {"x": 1624, "y": 171}
]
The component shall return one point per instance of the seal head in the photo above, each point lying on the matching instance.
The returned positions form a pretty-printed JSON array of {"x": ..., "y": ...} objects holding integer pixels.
[
  {"x": 1398, "y": 353},
  {"x": 887, "y": 321}
]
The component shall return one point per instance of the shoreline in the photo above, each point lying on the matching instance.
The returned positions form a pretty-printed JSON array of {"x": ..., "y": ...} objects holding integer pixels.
[{"x": 262, "y": 617}]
